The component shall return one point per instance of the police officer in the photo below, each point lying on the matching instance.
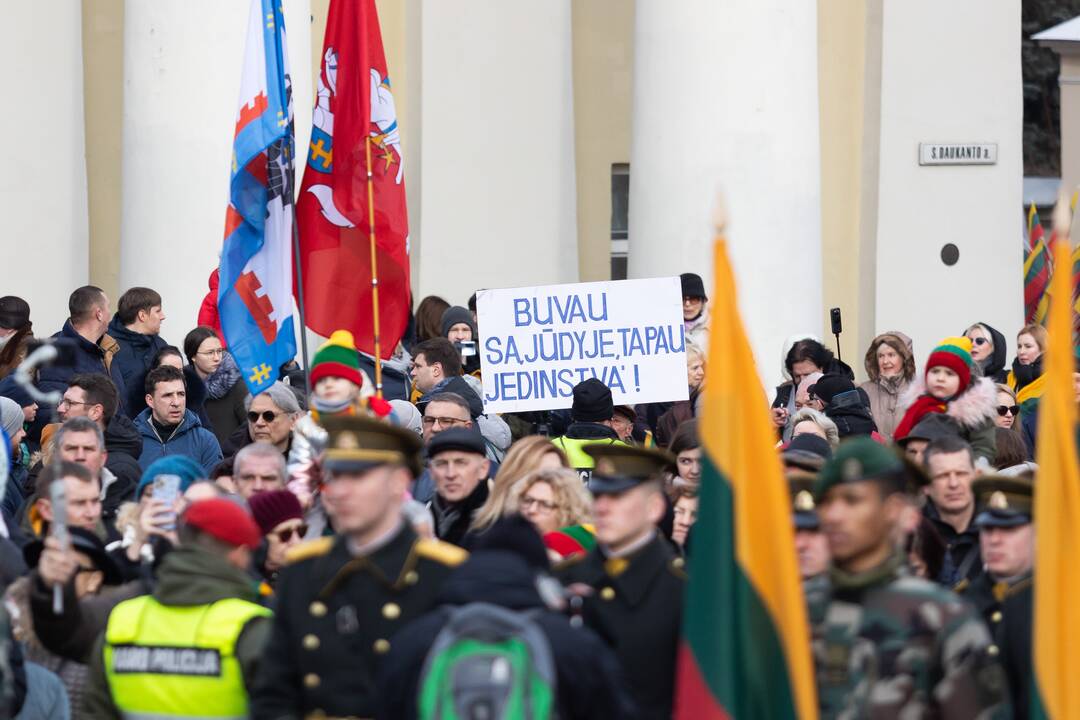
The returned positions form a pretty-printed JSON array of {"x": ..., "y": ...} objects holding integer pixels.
[
  {"x": 191, "y": 648},
  {"x": 591, "y": 416},
  {"x": 887, "y": 644},
  {"x": 632, "y": 581},
  {"x": 342, "y": 598},
  {"x": 811, "y": 548},
  {"x": 1003, "y": 594}
]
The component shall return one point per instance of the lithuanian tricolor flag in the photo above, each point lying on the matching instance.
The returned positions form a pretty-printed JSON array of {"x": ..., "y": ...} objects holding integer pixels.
[
  {"x": 745, "y": 649},
  {"x": 1056, "y": 633},
  {"x": 1036, "y": 270}
]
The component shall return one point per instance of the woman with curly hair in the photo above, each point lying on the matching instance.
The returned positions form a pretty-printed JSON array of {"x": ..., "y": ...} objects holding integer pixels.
[
  {"x": 527, "y": 455},
  {"x": 551, "y": 499}
]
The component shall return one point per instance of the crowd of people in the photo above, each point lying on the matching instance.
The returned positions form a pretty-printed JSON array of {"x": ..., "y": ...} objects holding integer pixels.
[{"x": 172, "y": 546}]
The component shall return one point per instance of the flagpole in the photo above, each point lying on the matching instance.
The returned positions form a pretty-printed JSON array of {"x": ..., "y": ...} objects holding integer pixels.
[
  {"x": 374, "y": 270},
  {"x": 300, "y": 301}
]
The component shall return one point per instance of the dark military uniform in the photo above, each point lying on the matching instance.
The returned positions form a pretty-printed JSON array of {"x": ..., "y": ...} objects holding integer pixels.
[
  {"x": 1006, "y": 605},
  {"x": 636, "y": 603},
  {"x": 888, "y": 645},
  {"x": 336, "y": 611}
]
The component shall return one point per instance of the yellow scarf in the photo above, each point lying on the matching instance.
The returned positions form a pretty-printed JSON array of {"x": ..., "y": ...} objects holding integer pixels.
[{"x": 1031, "y": 391}]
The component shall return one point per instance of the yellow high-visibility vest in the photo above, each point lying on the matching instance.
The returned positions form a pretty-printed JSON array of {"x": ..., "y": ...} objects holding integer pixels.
[{"x": 166, "y": 661}]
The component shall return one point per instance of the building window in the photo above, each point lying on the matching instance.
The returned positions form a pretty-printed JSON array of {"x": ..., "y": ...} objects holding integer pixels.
[{"x": 620, "y": 219}]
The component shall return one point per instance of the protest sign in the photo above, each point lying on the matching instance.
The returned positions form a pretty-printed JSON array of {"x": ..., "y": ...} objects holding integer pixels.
[{"x": 537, "y": 343}]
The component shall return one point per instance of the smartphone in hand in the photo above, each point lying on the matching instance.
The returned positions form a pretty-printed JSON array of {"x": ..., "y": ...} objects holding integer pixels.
[{"x": 166, "y": 489}]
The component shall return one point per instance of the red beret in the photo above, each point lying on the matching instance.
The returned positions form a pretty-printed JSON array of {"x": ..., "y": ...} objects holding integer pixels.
[{"x": 224, "y": 520}]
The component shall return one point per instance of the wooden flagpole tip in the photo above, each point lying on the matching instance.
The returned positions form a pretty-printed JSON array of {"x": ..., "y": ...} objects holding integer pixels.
[
  {"x": 720, "y": 215},
  {"x": 1062, "y": 216}
]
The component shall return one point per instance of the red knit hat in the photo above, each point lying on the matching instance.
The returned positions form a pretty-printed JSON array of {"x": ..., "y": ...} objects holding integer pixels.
[
  {"x": 274, "y": 507},
  {"x": 224, "y": 520},
  {"x": 955, "y": 354},
  {"x": 337, "y": 357}
]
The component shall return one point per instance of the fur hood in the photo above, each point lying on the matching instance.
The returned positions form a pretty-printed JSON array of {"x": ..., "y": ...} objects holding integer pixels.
[
  {"x": 971, "y": 409},
  {"x": 899, "y": 342}
]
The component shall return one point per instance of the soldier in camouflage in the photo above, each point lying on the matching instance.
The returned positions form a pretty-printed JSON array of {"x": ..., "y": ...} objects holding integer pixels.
[{"x": 886, "y": 644}]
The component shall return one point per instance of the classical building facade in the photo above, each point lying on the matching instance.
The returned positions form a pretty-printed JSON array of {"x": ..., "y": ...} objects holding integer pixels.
[{"x": 554, "y": 141}]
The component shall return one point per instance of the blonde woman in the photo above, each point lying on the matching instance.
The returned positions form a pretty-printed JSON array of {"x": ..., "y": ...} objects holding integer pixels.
[
  {"x": 551, "y": 499},
  {"x": 527, "y": 455},
  {"x": 1026, "y": 377}
]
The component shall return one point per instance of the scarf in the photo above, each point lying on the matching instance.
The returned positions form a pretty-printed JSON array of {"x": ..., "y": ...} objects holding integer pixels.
[
  {"x": 1029, "y": 382},
  {"x": 222, "y": 380},
  {"x": 923, "y": 406}
]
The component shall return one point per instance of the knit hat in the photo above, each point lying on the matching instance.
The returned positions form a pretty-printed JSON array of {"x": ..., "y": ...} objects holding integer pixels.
[
  {"x": 454, "y": 315},
  {"x": 273, "y": 507},
  {"x": 14, "y": 312},
  {"x": 829, "y": 386},
  {"x": 592, "y": 402},
  {"x": 955, "y": 354},
  {"x": 9, "y": 388},
  {"x": 225, "y": 520},
  {"x": 11, "y": 416},
  {"x": 188, "y": 470},
  {"x": 337, "y": 357}
]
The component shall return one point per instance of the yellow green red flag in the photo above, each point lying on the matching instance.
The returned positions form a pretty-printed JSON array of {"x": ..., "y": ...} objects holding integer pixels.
[
  {"x": 1056, "y": 632},
  {"x": 745, "y": 646}
]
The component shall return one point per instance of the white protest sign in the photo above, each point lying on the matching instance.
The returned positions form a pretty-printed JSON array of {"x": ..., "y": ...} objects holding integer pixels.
[{"x": 537, "y": 343}]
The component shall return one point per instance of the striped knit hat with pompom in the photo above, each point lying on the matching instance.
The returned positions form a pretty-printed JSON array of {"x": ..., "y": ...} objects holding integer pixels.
[
  {"x": 337, "y": 357},
  {"x": 955, "y": 354}
]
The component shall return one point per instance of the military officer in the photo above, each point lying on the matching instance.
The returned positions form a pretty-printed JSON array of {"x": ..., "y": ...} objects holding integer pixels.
[
  {"x": 810, "y": 546},
  {"x": 632, "y": 581},
  {"x": 1003, "y": 594},
  {"x": 341, "y": 598},
  {"x": 887, "y": 644}
]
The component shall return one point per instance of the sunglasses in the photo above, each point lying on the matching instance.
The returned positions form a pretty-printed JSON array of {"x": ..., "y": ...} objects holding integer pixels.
[
  {"x": 979, "y": 340},
  {"x": 267, "y": 415},
  {"x": 287, "y": 534},
  {"x": 1005, "y": 409}
]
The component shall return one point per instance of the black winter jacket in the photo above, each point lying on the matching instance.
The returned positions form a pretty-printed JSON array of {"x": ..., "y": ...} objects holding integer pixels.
[{"x": 589, "y": 682}]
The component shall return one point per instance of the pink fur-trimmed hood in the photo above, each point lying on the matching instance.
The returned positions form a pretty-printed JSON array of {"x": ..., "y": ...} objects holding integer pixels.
[{"x": 973, "y": 408}]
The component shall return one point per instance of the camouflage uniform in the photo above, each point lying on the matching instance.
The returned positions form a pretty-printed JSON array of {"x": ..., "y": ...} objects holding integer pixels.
[{"x": 890, "y": 645}]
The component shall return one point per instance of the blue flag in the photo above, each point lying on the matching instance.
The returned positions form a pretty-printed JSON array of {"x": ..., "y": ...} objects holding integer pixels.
[{"x": 255, "y": 293}]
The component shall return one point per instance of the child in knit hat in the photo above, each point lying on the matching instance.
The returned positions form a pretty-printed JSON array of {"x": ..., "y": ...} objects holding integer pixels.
[
  {"x": 952, "y": 385},
  {"x": 337, "y": 382},
  {"x": 338, "y": 387}
]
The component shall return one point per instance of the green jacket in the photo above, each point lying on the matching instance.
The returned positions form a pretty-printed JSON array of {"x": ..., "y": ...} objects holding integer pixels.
[{"x": 188, "y": 576}]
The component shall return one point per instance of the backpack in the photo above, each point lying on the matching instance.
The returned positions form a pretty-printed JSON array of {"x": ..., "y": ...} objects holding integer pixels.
[{"x": 488, "y": 663}]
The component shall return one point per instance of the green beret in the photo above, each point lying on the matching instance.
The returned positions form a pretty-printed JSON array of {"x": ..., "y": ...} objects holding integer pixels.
[{"x": 856, "y": 460}]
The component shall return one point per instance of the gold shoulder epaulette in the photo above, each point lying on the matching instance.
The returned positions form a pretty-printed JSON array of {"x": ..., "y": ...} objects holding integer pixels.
[
  {"x": 309, "y": 549},
  {"x": 441, "y": 552},
  {"x": 961, "y": 586}
]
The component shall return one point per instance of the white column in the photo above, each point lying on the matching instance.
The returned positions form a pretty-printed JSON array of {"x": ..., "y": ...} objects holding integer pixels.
[
  {"x": 43, "y": 210},
  {"x": 726, "y": 99},
  {"x": 945, "y": 79},
  {"x": 181, "y": 84},
  {"x": 495, "y": 112}
]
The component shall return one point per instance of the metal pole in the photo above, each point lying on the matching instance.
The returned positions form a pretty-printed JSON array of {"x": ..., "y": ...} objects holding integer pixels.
[
  {"x": 374, "y": 270},
  {"x": 300, "y": 301}
]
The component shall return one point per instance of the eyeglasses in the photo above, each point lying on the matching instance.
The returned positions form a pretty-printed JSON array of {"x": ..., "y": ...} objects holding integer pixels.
[
  {"x": 528, "y": 502},
  {"x": 980, "y": 341},
  {"x": 444, "y": 421},
  {"x": 212, "y": 353},
  {"x": 69, "y": 403},
  {"x": 267, "y": 415},
  {"x": 1006, "y": 409},
  {"x": 287, "y": 534}
]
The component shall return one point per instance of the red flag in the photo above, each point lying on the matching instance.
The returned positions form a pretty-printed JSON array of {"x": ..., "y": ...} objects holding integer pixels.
[{"x": 354, "y": 102}]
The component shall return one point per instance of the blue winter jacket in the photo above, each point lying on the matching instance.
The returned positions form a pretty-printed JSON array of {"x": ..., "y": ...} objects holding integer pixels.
[
  {"x": 190, "y": 439},
  {"x": 133, "y": 360}
]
